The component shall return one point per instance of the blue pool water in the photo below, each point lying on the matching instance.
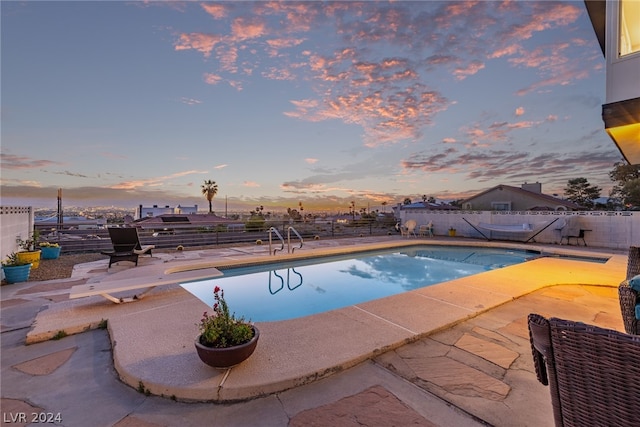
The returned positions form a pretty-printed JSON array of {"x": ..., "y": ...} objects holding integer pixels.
[{"x": 299, "y": 288}]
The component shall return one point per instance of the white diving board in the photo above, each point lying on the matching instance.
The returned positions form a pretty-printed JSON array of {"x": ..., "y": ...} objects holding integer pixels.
[{"x": 145, "y": 282}]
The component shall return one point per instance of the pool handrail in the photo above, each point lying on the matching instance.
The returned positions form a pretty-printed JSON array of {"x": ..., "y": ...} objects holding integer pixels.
[
  {"x": 289, "y": 239},
  {"x": 274, "y": 230}
]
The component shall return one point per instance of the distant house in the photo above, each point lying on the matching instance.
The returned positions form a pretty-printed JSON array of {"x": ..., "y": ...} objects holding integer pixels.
[
  {"x": 148, "y": 212},
  {"x": 174, "y": 222},
  {"x": 617, "y": 28},
  {"x": 529, "y": 197},
  {"x": 421, "y": 206}
]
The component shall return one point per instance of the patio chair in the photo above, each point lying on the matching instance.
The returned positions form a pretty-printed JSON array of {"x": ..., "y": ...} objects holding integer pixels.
[
  {"x": 630, "y": 297},
  {"x": 426, "y": 230},
  {"x": 409, "y": 228},
  {"x": 126, "y": 245},
  {"x": 593, "y": 373}
]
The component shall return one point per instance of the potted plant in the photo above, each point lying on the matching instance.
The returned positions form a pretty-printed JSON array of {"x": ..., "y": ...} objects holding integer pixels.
[
  {"x": 452, "y": 231},
  {"x": 15, "y": 270},
  {"x": 50, "y": 250},
  {"x": 225, "y": 340},
  {"x": 30, "y": 253}
]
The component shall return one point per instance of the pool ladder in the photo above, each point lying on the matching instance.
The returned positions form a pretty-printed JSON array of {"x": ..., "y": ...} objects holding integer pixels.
[
  {"x": 289, "y": 270},
  {"x": 290, "y": 250}
]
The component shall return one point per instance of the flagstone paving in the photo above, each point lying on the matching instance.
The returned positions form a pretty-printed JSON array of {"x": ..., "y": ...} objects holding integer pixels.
[{"x": 477, "y": 372}]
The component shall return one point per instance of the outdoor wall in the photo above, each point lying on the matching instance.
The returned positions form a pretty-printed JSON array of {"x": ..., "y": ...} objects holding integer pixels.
[
  {"x": 15, "y": 221},
  {"x": 615, "y": 230}
]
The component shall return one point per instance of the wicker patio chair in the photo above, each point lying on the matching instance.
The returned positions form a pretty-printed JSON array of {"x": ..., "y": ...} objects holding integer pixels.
[
  {"x": 593, "y": 373},
  {"x": 628, "y": 297}
]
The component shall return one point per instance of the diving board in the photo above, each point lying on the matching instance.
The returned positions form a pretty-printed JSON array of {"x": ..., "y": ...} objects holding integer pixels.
[
  {"x": 518, "y": 229},
  {"x": 145, "y": 282}
]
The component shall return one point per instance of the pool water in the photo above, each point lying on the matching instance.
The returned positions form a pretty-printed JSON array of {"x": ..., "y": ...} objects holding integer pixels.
[{"x": 293, "y": 289}]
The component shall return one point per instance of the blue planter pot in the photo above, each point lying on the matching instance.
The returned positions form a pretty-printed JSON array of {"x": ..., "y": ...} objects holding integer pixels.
[
  {"x": 50, "y": 252},
  {"x": 16, "y": 273}
]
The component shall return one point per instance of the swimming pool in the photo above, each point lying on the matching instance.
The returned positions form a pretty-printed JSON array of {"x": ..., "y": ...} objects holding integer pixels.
[{"x": 286, "y": 290}]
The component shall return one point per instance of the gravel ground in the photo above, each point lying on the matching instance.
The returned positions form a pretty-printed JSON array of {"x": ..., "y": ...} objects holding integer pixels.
[{"x": 61, "y": 267}]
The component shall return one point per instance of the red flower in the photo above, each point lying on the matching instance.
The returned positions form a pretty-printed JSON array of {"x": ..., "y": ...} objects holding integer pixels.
[{"x": 216, "y": 289}]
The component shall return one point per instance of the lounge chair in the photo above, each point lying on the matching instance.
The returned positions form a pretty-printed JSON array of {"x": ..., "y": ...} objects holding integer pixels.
[
  {"x": 126, "y": 245},
  {"x": 426, "y": 230},
  {"x": 630, "y": 297},
  {"x": 593, "y": 373},
  {"x": 409, "y": 228}
]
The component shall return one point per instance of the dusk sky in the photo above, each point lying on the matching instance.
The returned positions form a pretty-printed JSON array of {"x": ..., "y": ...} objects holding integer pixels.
[{"x": 128, "y": 103}]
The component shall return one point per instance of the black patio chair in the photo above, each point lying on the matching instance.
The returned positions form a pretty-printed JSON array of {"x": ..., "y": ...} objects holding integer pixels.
[{"x": 126, "y": 245}]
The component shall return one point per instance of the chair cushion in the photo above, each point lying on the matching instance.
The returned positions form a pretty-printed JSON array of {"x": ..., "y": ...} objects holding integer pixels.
[
  {"x": 638, "y": 311},
  {"x": 634, "y": 283}
]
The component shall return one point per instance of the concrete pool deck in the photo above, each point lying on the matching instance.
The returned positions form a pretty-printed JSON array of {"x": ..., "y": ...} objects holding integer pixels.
[{"x": 152, "y": 339}]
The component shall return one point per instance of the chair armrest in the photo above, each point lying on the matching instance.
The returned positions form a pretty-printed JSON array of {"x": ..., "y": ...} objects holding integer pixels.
[
  {"x": 540, "y": 338},
  {"x": 628, "y": 299}
]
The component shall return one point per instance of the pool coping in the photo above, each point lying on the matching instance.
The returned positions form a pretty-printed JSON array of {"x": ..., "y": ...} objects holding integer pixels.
[{"x": 153, "y": 339}]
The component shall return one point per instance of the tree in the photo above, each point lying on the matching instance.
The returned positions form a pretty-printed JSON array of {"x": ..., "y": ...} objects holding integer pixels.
[
  {"x": 579, "y": 191},
  {"x": 627, "y": 183},
  {"x": 407, "y": 201},
  {"x": 209, "y": 190}
]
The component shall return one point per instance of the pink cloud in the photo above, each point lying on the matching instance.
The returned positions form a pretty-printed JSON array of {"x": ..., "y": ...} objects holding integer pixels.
[
  {"x": 216, "y": 10},
  {"x": 519, "y": 111},
  {"x": 203, "y": 43},
  {"x": 310, "y": 160},
  {"x": 546, "y": 15},
  {"x": 152, "y": 182},
  {"x": 248, "y": 28},
  {"x": 471, "y": 69},
  {"x": 212, "y": 79}
]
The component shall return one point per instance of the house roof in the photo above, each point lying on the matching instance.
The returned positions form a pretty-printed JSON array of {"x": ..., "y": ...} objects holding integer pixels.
[
  {"x": 597, "y": 15},
  {"x": 427, "y": 205},
  {"x": 184, "y": 220},
  {"x": 540, "y": 196}
]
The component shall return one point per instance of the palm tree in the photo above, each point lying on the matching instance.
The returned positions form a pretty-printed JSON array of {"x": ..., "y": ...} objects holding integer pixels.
[{"x": 209, "y": 190}]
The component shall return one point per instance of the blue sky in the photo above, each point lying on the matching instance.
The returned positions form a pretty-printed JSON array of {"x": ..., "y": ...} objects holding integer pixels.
[{"x": 127, "y": 103}]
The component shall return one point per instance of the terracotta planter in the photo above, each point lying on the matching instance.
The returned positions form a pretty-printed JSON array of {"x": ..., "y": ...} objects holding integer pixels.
[
  {"x": 229, "y": 356},
  {"x": 16, "y": 273},
  {"x": 50, "y": 252},
  {"x": 32, "y": 257}
]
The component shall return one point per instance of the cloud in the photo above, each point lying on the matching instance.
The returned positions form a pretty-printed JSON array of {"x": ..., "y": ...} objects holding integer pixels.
[
  {"x": 216, "y": 10},
  {"x": 13, "y": 161},
  {"x": 470, "y": 69},
  {"x": 203, "y": 43},
  {"x": 386, "y": 95},
  {"x": 222, "y": 166},
  {"x": 151, "y": 182},
  {"x": 190, "y": 101},
  {"x": 248, "y": 28},
  {"x": 310, "y": 160},
  {"x": 545, "y": 15},
  {"x": 251, "y": 184},
  {"x": 519, "y": 111}
]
